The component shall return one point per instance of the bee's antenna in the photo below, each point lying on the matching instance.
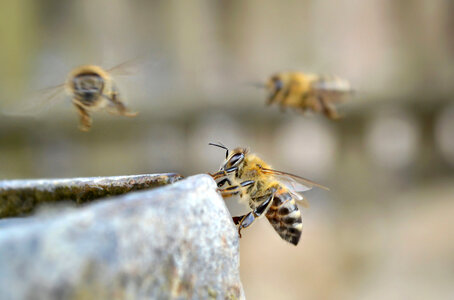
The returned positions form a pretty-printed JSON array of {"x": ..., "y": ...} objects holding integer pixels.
[
  {"x": 259, "y": 85},
  {"x": 220, "y": 145}
]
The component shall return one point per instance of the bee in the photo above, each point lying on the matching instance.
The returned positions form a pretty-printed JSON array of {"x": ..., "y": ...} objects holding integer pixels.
[
  {"x": 318, "y": 93},
  {"x": 247, "y": 178},
  {"x": 91, "y": 88}
]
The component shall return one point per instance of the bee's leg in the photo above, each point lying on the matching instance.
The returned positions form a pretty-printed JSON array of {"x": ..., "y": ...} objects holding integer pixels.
[
  {"x": 218, "y": 175},
  {"x": 332, "y": 113},
  {"x": 230, "y": 191},
  {"x": 223, "y": 173},
  {"x": 313, "y": 103},
  {"x": 273, "y": 97},
  {"x": 285, "y": 97},
  {"x": 278, "y": 95},
  {"x": 304, "y": 98},
  {"x": 120, "y": 106},
  {"x": 328, "y": 109},
  {"x": 84, "y": 116},
  {"x": 248, "y": 219},
  {"x": 224, "y": 181},
  {"x": 304, "y": 104},
  {"x": 247, "y": 183},
  {"x": 236, "y": 220}
]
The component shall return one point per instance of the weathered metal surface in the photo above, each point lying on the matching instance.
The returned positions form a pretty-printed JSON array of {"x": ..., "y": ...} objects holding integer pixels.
[
  {"x": 19, "y": 197},
  {"x": 175, "y": 242}
]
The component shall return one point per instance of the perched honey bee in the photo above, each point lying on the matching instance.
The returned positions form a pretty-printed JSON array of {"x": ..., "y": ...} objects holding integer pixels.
[
  {"x": 318, "y": 93},
  {"x": 266, "y": 191},
  {"x": 91, "y": 88}
]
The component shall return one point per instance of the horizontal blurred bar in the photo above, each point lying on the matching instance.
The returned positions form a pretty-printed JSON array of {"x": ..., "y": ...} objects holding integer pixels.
[{"x": 18, "y": 197}]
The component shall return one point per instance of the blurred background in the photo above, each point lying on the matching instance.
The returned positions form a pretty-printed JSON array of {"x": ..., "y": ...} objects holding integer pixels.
[{"x": 384, "y": 231}]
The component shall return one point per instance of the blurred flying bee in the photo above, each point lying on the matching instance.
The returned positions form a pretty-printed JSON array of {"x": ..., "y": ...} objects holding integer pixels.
[
  {"x": 247, "y": 178},
  {"x": 91, "y": 88},
  {"x": 318, "y": 93}
]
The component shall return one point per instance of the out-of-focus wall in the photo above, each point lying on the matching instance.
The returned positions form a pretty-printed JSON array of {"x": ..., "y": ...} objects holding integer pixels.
[{"x": 382, "y": 230}]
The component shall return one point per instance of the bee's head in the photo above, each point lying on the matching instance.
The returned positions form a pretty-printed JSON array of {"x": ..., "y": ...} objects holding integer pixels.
[
  {"x": 88, "y": 86},
  {"x": 275, "y": 83},
  {"x": 87, "y": 83},
  {"x": 233, "y": 159}
]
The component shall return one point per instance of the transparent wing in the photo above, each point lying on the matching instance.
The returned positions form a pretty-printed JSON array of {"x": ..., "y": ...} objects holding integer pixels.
[
  {"x": 129, "y": 67},
  {"x": 124, "y": 69},
  {"x": 333, "y": 88},
  {"x": 332, "y": 83},
  {"x": 298, "y": 196},
  {"x": 38, "y": 102},
  {"x": 297, "y": 183}
]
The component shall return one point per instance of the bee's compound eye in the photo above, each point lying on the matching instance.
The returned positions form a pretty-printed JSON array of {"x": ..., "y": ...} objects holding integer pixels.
[
  {"x": 88, "y": 83},
  {"x": 236, "y": 159},
  {"x": 278, "y": 84}
]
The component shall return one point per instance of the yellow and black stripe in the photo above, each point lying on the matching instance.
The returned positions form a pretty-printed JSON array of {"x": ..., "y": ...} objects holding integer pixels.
[{"x": 285, "y": 217}]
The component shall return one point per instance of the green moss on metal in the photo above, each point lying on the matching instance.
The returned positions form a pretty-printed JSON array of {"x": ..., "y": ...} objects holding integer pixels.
[
  {"x": 22, "y": 197},
  {"x": 212, "y": 294}
]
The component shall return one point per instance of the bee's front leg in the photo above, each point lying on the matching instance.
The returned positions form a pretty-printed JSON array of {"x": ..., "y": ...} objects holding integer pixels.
[
  {"x": 85, "y": 119},
  {"x": 285, "y": 97},
  {"x": 248, "y": 219},
  {"x": 223, "y": 181},
  {"x": 273, "y": 97},
  {"x": 119, "y": 105},
  {"x": 223, "y": 173},
  {"x": 230, "y": 191},
  {"x": 218, "y": 175}
]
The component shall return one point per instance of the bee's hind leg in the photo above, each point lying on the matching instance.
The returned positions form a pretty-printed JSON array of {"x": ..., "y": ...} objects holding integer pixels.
[
  {"x": 237, "y": 219},
  {"x": 248, "y": 219},
  {"x": 84, "y": 116},
  {"x": 120, "y": 107},
  {"x": 332, "y": 113},
  {"x": 329, "y": 109}
]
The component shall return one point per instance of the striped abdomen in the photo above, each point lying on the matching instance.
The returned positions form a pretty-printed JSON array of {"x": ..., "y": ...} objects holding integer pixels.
[{"x": 285, "y": 217}]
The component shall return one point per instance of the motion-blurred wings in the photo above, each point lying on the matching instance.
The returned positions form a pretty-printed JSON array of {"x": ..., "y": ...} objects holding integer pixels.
[
  {"x": 333, "y": 88},
  {"x": 38, "y": 102},
  {"x": 132, "y": 66}
]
